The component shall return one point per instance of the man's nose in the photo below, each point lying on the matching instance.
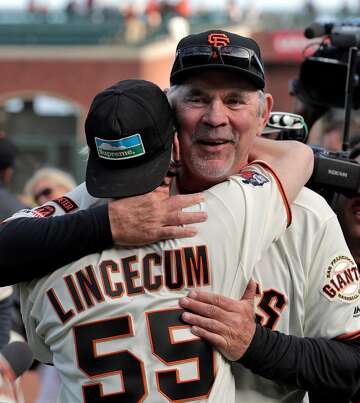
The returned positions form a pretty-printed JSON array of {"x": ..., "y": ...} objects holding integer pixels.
[{"x": 215, "y": 114}]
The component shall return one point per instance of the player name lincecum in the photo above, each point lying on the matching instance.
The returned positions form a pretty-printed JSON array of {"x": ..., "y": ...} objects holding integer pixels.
[{"x": 129, "y": 276}]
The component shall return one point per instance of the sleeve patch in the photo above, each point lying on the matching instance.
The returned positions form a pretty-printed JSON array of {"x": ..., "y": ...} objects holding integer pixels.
[
  {"x": 43, "y": 211},
  {"x": 342, "y": 280},
  {"x": 66, "y": 204},
  {"x": 253, "y": 178}
]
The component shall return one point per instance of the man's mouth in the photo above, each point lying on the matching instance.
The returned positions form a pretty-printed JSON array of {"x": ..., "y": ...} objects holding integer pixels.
[
  {"x": 355, "y": 209},
  {"x": 214, "y": 142},
  {"x": 356, "y": 213}
]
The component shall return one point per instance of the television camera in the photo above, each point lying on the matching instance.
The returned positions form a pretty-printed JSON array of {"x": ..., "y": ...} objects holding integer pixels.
[{"x": 329, "y": 77}]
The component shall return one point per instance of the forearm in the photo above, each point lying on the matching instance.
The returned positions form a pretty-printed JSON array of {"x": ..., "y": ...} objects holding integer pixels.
[
  {"x": 292, "y": 162},
  {"x": 326, "y": 368},
  {"x": 34, "y": 247}
]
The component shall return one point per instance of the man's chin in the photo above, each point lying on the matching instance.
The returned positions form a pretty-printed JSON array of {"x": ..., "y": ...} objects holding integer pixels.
[{"x": 213, "y": 170}]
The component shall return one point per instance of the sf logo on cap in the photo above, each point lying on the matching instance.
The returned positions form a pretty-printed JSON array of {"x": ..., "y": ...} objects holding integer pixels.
[{"x": 218, "y": 40}]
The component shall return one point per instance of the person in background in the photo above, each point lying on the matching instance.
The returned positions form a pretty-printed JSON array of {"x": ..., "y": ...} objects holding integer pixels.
[
  {"x": 332, "y": 134},
  {"x": 9, "y": 203},
  {"x": 347, "y": 208},
  {"x": 152, "y": 14},
  {"x": 48, "y": 184},
  {"x": 348, "y": 212},
  {"x": 44, "y": 185}
]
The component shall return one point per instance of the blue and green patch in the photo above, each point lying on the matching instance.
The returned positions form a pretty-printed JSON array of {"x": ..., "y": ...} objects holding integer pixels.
[{"x": 121, "y": 149}]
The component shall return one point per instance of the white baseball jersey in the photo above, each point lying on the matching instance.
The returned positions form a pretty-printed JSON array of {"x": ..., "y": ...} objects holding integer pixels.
[
  {"x": 111, "y": 323},
  {"x": 307, "y": 285}
]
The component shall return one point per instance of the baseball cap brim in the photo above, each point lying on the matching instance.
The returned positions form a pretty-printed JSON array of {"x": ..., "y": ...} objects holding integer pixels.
[
  {"x": 106, "y": 180},
  {"x": 181, "y": 75}
]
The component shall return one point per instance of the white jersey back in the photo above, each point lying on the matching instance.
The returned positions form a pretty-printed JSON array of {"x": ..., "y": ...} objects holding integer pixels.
[
  {"x": 307, "y": 286},
  {"x": 111, "y": 324}
]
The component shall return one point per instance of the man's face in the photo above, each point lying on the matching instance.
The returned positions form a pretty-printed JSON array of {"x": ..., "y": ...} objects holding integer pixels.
[{"x": 218, "y": 115}]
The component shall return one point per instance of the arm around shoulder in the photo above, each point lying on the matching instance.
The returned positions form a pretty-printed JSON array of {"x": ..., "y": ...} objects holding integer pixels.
[
  {"x": 34, "y": 247},
  {"x": 292, "y": 162}
]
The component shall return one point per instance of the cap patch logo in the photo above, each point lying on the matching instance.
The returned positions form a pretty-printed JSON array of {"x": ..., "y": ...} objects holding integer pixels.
[
  {"x": 253, "y": 178},
  {"x": 121, "y": 149},
  {"x": 342, "y": 280},
  {"x": 218, "y": 39}
]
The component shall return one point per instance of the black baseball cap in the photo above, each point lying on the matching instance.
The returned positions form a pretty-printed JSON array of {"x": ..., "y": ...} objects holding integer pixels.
[
  {"x": 129, "y": 130},
  {"x": 8, "y": 152},
  {"x": 217, "y": 49}
]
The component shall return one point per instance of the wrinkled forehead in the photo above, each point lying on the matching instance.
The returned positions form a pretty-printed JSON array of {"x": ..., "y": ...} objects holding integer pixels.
[{"x": 215, "y": 80}]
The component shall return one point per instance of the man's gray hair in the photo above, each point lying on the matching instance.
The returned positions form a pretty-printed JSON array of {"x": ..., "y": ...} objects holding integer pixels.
[
  {"x": 262, "y": 101},
  {"x": 172, "y": 94}
]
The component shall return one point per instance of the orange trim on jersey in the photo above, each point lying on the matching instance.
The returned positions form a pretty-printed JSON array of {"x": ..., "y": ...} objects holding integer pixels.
[
  {"x": 349, "y": 336},
  {"x": 280, "y": 186}
]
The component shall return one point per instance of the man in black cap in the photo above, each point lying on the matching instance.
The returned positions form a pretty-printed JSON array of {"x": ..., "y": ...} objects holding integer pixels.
[
  {"x": 217, "y": 93},
  {"x": 116, "y": 312},
  {"x": 217, "y": 82}
]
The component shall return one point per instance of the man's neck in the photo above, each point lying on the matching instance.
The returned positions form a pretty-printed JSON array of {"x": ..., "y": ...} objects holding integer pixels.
[{"x": 189, "y": 183}]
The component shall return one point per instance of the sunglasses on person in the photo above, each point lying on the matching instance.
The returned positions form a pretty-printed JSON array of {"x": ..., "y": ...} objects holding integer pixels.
[
  {"x": 236, "y": 56},
  {"x": 46, "y": 192}
]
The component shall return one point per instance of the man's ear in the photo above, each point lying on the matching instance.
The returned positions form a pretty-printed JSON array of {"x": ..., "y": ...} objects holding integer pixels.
[
  {"x": 268, "y": 104},
  {"x": 176, "y": 148}
]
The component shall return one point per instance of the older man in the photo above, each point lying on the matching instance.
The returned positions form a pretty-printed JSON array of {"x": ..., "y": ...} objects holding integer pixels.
[{"x": 306, "y": 283}]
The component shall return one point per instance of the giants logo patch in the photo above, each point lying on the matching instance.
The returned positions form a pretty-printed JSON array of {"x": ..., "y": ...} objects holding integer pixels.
[
  {"x": 342, "y": 280},
  {"x": 253, "y": 178},
  {"x": 66, "y": 204},
  {"x": 43, "y": 211}
]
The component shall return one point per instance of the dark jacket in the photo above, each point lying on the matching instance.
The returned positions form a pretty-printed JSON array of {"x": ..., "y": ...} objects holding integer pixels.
[{"x": 9, "y": 204}]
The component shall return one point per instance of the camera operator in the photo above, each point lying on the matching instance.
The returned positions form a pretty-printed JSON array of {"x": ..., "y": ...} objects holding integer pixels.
[
  {"x": 312, "y": 101},
  {"x": 348, "y": 212}
]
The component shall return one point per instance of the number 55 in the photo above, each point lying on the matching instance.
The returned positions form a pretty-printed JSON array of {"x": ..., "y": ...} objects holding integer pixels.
[{"x": 131, "y": 368}]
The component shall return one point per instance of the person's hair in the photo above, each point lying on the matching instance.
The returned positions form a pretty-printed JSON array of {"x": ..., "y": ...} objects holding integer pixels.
[
  {"x": 57, "y": 176},
  {"x": 262, "y": 101},
  {"x": 174, "y": 90}
]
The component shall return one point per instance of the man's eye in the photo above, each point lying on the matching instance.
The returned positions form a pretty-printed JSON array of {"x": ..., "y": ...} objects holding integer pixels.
[
  {"x": 195, "y": 99},
  {"x": 234, "y": 101}
]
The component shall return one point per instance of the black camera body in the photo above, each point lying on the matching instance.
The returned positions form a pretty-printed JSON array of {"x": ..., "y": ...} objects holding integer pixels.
[
  {"x": 333, "y": 171},
  {"x": 323, "y": 74}
]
